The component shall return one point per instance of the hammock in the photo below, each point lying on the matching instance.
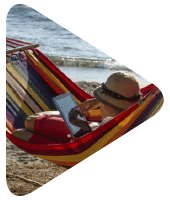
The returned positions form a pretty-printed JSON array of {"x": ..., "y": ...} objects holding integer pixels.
[{"x": 33, "y": 80}]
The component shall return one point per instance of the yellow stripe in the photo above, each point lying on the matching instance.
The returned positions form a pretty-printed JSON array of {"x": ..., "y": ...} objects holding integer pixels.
[
  {"x": 26, "y": 87},
  {"x": 19, "y": 102},
  {"x": 100, "y": 143},
  {"x": 51, "y": 76}
]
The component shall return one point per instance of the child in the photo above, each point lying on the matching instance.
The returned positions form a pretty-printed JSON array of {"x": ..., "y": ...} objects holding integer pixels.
[{"x": 120, "y": 91}]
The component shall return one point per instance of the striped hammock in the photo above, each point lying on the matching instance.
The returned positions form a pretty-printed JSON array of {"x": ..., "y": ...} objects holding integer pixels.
[{"x": 33, "y": 80}]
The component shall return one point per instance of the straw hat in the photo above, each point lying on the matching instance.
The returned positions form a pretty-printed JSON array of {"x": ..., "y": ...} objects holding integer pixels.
[{"x": 121, "y": 90}]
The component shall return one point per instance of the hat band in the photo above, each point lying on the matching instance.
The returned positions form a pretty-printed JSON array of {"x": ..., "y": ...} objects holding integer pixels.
[{"x": 119, "y": 96}]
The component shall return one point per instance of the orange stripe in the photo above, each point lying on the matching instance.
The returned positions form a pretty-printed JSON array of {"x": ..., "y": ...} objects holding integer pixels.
[
  {"x": 9, "y": 126},
  {"x": 63, "y": 163}
]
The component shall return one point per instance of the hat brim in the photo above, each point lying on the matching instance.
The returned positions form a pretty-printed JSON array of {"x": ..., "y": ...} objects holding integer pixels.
[{"x": 110, "y": 101}]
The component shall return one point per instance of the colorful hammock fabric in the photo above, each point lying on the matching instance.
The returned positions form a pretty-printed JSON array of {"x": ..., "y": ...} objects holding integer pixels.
[{"x": 33, "y": 80}]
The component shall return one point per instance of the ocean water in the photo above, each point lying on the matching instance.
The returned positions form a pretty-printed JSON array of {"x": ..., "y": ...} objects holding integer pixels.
[{"x": 75, "y": 57}]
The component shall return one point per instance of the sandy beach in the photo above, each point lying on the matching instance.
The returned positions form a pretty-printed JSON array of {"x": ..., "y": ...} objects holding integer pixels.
[{"x": 25, "y": 173}]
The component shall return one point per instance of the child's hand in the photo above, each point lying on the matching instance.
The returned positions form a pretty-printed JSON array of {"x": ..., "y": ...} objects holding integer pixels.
[
  {"x": 75, "y": 120},
  {"x": 88, "y": 105}
]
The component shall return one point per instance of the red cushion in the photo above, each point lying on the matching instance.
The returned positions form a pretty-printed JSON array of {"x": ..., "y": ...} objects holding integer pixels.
[{"x": 52, "y": 127}]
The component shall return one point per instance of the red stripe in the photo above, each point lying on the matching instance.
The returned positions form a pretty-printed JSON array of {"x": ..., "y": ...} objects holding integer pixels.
[
  {"x": 152, "y": 91},
  {"x": 10, "y": 46},
  {"x": 14, "y": 43},
  {"x": 67, "y": 82},
  {"x": 147, "y": 88},
  {"x": 84, "y": 140},
  {"x": 58, "y": 149},
  {"x": 18, "y": 41}
]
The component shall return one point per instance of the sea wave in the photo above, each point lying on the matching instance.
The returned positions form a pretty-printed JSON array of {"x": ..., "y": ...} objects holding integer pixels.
[
  {"x": 88, "y": 63},
  {"x": 26, "y": 24}
]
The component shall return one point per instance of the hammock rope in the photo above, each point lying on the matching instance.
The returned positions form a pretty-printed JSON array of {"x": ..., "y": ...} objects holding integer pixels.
[{"x": 33, "y": 80}]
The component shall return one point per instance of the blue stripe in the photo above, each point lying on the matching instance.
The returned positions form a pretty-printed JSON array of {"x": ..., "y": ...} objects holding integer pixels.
[
  {"x": 147, "y": 112},
  {"x": 46, "y": 93},
  {"x": 18, "y": 120}
]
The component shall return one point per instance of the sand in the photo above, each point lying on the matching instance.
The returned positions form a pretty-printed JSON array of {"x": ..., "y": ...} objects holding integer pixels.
[{"x": 25, "y": 173}]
